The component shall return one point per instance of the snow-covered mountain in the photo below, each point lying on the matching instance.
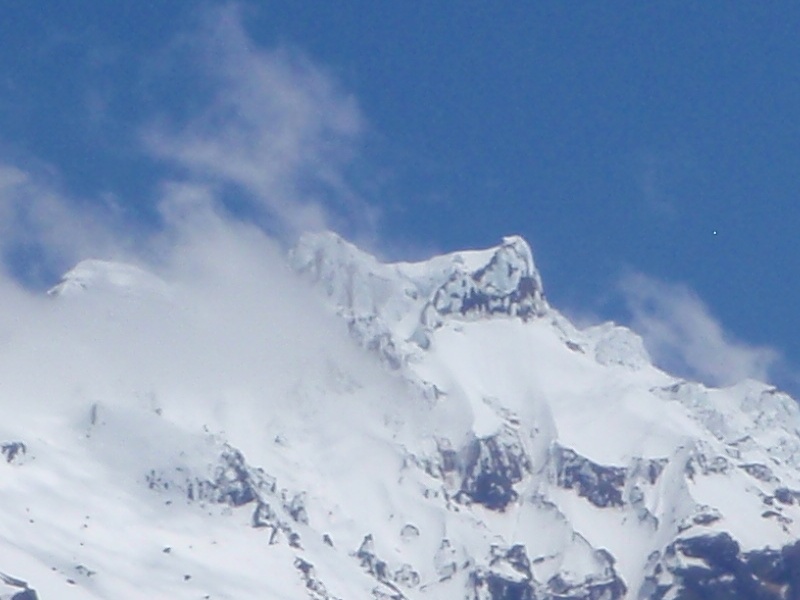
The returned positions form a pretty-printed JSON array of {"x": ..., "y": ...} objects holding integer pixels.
[{"x": 350, "y": 429}]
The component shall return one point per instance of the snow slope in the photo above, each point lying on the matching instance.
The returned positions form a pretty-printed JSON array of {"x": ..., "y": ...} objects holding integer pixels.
[{"x": 354, "y": 429}]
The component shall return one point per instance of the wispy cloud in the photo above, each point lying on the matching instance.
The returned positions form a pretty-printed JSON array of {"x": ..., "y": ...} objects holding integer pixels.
[
  {"x": 684, "y": 337},
  {"x": 236, "y": 325},
  {"x": 43, "y": 230},
  {"x": 276, "y": 127},
  {"x": 267, "y": 139}
]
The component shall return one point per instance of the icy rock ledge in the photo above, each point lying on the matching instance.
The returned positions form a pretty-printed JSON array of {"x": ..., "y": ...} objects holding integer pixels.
[{"x": 508, "y": 284}]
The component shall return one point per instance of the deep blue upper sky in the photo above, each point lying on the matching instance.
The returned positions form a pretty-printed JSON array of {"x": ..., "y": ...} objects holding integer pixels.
[{"x": 657, "y": 138}]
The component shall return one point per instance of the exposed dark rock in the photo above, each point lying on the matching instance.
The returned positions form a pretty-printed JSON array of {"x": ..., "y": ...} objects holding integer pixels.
[
  {"x": 237, "y": 484},
  {"x": 407, "y": 576},
  {"x": 380, "y": 571},
  {"x": 786, "y": 496},
  {"x": 706, "y": 517},
  {"x": 234, "y": 483},
  {"x": 492, "y": 466},
  {"x": 600, "y": 485},
  {"x": 774, "y": 514},
  {"x": 519, "y": 302},
  {"x": 507, "y": 285},
  {"x": 515, "y": 557},
  {"x": 718, "y": 551},
  {"x": 509, "y": 577},
  {"x": 613, "y": 589},
  {"x": 605, "y": 585},
  {"x": 297, "y": 508},
  {"x": 373, "y": 565},
  {"x": 13, "y": 451},
  {"x": 491, "y": 586},
  {"x": 649, "y": 468},
  {"x": 316, "y": 589},
  {"x": 306, "y": 568},
  {"x": 706, "y": 465},
  {"x": 760, "y": 472},
  {"x": 469, "y": 295},
  {"x": 384, "y": 594},
  {"x": 264, "y": 516},
  {"x": 449, "y": 457},
  {"x": 574, "y": 347},
  {"x": 725, "y": 573},
  {"x": 85, "y": 571}
]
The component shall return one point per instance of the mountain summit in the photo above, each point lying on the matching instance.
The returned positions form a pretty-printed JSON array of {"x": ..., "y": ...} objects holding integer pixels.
[
  {"x": 406, "y": 302},
  {"x": 369, "y": 430}
]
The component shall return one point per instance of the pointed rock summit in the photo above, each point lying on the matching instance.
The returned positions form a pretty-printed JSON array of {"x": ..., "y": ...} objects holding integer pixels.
[
  {"x": 508, "y": 284},
  {"x": 402, "y": 302}
]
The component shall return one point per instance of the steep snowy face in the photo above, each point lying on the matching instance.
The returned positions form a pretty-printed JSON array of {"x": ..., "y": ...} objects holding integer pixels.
[{"x": 472, "y": 443}]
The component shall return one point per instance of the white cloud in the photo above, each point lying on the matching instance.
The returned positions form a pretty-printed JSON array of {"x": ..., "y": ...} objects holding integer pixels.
[
  {"x": 277, "y": 127},
  {"x": 281, "y": 130},
  {"x": 684, "y": 337},
  {"x": 234, "y": 327},
  {"x": 38, "y": 219}
]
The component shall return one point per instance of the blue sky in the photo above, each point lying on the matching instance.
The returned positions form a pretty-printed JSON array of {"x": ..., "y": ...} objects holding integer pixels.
[{"x": 648, "y": 152}]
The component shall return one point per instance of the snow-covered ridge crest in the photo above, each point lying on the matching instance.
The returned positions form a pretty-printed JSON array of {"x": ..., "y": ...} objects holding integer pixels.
[
  {"x": 104, "y": 275},
  {"x": 399, "y": 303}
]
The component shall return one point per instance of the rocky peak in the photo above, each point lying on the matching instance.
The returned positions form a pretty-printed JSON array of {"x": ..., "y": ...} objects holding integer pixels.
[
  {"x": 390, "y": 304},
  {"x": 507, "y": 284}
]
